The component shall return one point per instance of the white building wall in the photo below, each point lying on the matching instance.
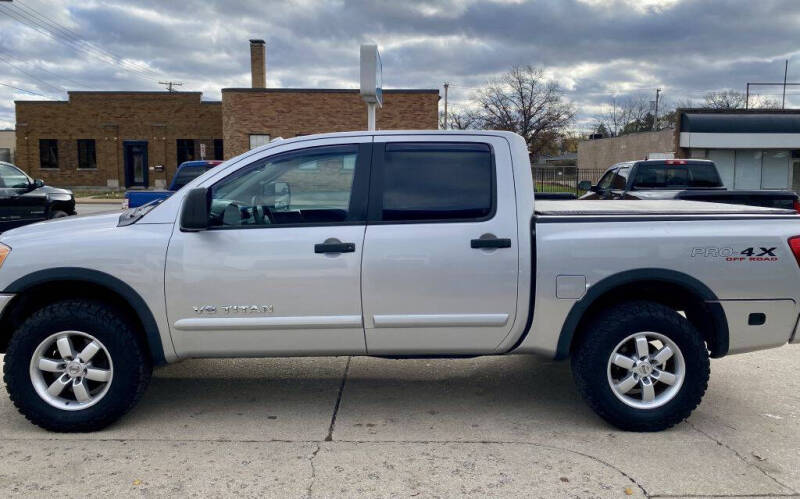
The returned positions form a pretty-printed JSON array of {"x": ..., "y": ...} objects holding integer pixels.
[{"x": 751, "y": 169}]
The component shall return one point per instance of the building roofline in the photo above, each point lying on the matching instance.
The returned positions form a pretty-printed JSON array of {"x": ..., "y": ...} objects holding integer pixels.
[
  {"x": 141, "y": 92},
  {"x": 332, "y": 90},
  {"x": 706, "y": 110},
  {"x": 643, "y": 132}
]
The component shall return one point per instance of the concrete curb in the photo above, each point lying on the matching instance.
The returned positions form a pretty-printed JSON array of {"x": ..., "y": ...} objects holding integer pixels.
[{"x": 98, "y": 201}]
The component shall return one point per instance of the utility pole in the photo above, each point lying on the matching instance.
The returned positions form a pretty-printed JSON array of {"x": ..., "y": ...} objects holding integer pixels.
[
  {"x": 170, "y": 84},
  {"x": 785, "y": 71},
  {"x": 655, "y": 115},
  {"x": 446, "y": 86}
]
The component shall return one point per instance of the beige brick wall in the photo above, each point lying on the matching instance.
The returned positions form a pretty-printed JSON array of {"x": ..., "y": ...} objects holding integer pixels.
[
  {"x": 110, "y": 118},
  {"x": 602, "y": 153},
  {"x": 288, "y": 113},
  {"x": 8, "y": 140}
]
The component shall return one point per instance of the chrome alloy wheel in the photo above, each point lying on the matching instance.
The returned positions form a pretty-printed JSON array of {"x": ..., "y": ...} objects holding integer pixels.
[
  {"x": 646, "y": 370},
  {"x": 71, "y": 370}
]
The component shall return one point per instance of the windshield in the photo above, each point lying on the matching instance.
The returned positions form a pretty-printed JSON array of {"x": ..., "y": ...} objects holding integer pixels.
[
  {"x": 672, "y": 176},
  {"x": 13, "y": 177},
  {"x": 186, "y": 174}
]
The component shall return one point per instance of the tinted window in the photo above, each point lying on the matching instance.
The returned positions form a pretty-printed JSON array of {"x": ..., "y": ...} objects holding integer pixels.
[
  {"x": 669, "y": 176},
  {"x": 13, "y": 177},
  {"x": 87, "y": 157},
  {"x": 437, "y": 182},
  {"x": 284, "y": 189},
  {"x": 187, "y": 174},
  {"x": 48, "y": 153},
  {"x": 218, "y": 149},
  {"x": 605, "y": 181},
  {"x": 185, "y": 150},
  {"x": 620, "y": 178}
]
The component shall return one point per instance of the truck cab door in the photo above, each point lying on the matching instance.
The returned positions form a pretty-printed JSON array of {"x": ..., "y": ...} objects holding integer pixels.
[
  {"x": 278, "y": 272},
  {"x": 619, "y": 183},
  {"x": 440, "y": 263}
]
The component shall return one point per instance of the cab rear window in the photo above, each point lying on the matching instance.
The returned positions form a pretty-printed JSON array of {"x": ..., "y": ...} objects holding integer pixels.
[{"x": 672, "y": 176}]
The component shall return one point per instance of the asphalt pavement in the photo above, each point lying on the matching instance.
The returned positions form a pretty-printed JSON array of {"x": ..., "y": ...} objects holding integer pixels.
[{"x": 494, "y": 426}]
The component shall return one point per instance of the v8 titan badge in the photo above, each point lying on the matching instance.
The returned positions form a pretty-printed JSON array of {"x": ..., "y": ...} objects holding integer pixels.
[{"x": 753, "y": 254}]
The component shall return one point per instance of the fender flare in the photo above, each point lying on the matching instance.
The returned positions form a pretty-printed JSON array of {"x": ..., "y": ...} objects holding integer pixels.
[
  {"x": 718, "y": 320},
  {"x": 105, "y": 280}
]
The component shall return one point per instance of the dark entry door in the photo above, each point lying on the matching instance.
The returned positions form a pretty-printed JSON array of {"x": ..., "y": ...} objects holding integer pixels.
[{"x": 135, "y": 154}]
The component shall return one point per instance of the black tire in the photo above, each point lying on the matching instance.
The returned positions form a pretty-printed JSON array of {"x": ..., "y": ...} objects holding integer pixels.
[
  {"x": 57, "y": 214},
  {"x": 131, "y": 364},
  {"x": 590, "y": 364}
]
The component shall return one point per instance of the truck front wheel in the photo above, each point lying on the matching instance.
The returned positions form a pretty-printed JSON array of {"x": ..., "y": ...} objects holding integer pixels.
[
  {"x": 76, "y": 365},
  {"x": 641, "y": 366}
]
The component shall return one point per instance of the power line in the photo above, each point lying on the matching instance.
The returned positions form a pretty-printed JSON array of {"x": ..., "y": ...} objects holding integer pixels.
[
  {"x": 75, "y": 36},
  {"x": 23, "y": 90},
  {"x": 75, "y": 41},
  {"x": 46, "y": 71},
  {"x": 170, "y": 84},
  {"x": 39, "y": 27},
  {"x": 59, "y": 88}
]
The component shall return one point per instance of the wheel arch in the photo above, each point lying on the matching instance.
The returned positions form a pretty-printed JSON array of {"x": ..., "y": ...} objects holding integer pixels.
[
  {"x": 675, "y": 289},
  {"x": 46, "y": 286}
]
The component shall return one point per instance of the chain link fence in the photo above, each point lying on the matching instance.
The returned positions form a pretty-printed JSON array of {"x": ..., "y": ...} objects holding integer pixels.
[{"x": 563, "y": 178}]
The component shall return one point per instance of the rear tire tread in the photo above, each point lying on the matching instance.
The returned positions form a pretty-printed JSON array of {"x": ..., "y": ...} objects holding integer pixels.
[{"x": 610, "y": 326}]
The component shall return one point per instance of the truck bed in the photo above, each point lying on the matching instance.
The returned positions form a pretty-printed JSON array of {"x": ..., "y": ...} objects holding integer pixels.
[{"x": 639, "y": 208}]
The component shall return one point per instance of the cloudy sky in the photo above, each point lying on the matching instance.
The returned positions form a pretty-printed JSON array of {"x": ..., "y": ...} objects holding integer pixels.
[{"x": 597, "y": 49}]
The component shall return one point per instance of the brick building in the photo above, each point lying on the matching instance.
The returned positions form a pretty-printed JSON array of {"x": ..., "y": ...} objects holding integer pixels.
[
  {"x": 137, "y": 139},
  {"x": 253, "y": 116},
  {"x": 111, "y": 139}
]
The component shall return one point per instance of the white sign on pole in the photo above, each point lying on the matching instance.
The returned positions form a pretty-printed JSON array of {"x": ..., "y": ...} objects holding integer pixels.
[
  {"x": 371, "y": 81},
  {"x": 202, "y": 151}
]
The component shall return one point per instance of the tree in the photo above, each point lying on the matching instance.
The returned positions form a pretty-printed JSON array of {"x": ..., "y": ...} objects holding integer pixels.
[
  {"x": 731, "y": 99},
  {"x": 726, "y": 99},
  {"x": 628, "y": 115},
  {"x": 523, "y": 101},
  {"x": 460, "y": 119}
]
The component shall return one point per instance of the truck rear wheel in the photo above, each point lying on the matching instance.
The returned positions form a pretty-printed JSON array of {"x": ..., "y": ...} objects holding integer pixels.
[
  {"x": 641, "y": 366},
  {"x": 75, "y": 365}
]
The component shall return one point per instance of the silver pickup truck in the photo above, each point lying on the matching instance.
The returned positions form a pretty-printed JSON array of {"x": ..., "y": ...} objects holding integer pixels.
[{"x": 393, "y": 244}]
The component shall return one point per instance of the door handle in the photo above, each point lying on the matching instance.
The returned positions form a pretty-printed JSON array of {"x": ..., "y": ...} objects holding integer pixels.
[
  {"x": 334, "y": 247},
  {"x": 490, "y": 242}
]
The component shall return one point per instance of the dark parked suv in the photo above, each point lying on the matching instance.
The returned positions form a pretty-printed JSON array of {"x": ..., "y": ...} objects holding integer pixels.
[{"x": 24, "y": 200}]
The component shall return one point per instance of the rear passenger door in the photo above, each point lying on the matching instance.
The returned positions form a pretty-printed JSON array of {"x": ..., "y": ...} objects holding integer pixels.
[{"x": 440, "y": 262}]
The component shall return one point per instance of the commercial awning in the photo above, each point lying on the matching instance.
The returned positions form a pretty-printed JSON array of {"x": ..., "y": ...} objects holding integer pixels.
[{"x": 737, "y": 130}]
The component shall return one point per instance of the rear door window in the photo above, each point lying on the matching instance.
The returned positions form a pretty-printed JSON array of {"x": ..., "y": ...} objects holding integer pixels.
[
  {"x": 424, "y": 182},
  {"x": 671, "y": 176}
]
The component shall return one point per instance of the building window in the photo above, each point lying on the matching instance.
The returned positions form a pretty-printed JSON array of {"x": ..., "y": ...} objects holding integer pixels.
[
  {"x": 48, "y": 153},
  {"x": 258, "y": 140},
  {"x": 87, "y": 158},
  {"x": 185, "y": 150},
  {"x": 218, "y": 150}
]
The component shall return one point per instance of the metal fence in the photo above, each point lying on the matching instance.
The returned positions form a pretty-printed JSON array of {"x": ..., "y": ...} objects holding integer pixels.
[{"x": 563, "y": 178}]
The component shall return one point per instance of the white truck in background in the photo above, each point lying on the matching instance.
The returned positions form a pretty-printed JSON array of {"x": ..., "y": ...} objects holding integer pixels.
[{"x": 393, "y": 244}]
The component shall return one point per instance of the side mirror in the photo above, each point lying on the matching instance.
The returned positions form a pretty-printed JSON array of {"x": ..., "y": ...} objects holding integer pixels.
[
  {"x": 279, "y": 194},
  {"x": 585, "y": 185},
  {"x": 194, "y": 213},
  {"x": 38, "y": 183}
]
